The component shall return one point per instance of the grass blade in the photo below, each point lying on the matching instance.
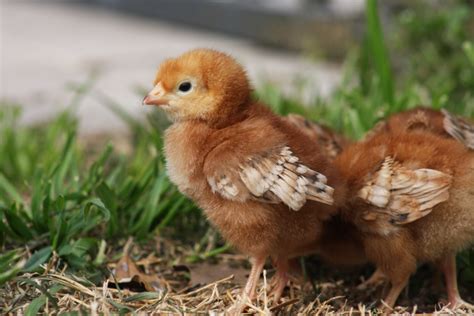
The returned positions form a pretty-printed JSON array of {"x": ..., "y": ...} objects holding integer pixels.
[
  {"x": 378, "y": 51},
  {"x": 144, "y": 296},
  {"x": 37, "y": 259},
  {"x": 16, "y": 223},
  {"x": 172, "y": 212},
  {"x": 10, "y": 265},
  {"x": 8, "y": 188},
  {"x": 35, "y": 305}
]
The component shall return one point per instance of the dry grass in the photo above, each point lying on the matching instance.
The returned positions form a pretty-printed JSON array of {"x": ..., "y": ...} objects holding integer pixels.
[
  {"x": 213, "y": 298},
  {"x": 179, "y": 294}
]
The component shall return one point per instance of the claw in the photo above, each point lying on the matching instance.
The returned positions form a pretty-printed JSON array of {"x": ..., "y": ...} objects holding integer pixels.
[
  {"x": 460, "y": 303},
  {"x": 374, "y": 280}
]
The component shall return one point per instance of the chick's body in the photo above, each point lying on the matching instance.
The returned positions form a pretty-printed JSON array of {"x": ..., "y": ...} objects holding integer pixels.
[
  {"x": 421, "y": 118},
  {"x": 247, "y": 168},
  {"x": 194, "y": 151},
  {"x": 413, "y": 203}
]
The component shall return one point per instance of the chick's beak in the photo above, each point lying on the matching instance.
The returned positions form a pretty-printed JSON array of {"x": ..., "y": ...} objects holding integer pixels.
[{"x": 156, "y": 96}]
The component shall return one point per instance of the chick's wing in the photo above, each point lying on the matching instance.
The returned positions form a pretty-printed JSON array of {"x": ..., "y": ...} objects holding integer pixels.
[
  {"x": 272, "y": 176},
  {"x": 460, "y": 129},
  {"x": 403, "y": 194},
  {"x": 331, "y": 142}
]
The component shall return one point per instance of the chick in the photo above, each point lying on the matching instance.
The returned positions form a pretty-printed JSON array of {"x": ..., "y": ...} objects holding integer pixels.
[
  {"x": 438, "y": 122},
  {"x": 413, "y": 201},
  {"x": 248, "y": 169}
]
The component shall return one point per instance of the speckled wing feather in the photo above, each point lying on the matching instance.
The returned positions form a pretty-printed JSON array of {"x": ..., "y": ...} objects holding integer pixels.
[
  {"x": 459, "y": 129},
  {"x": 275, "y": 176},
  {"x": 406, "y": 195}
]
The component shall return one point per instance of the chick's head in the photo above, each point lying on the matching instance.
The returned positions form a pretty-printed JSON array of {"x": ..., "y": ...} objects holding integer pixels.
[{"x": 201, "y": 84}]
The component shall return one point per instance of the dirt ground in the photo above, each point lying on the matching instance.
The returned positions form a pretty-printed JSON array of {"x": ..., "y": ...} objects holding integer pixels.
[{"x": 156, "y": 278}]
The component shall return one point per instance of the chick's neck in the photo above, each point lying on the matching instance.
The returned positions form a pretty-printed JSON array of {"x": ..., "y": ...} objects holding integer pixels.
[{"x": 230, "y": 115}]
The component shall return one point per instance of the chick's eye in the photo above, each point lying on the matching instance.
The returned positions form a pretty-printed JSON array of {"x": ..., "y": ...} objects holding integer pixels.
[{"x": 185, "y": 86}]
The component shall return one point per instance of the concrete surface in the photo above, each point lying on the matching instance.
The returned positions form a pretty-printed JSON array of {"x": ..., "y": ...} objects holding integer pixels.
[
  {"x": 46, "y": 46},
  {"x": 290, "y": 24}
]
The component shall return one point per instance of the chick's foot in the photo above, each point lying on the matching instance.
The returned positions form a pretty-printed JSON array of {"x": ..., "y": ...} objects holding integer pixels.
[
  {"x": 448, "y": 266},
  {"x": 279, "y": 280},
  {"x": 374, "y": 280}
]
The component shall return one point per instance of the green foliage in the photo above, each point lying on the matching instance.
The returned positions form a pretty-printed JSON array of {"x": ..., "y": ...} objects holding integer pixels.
[
  {"x": 54, "y": 201},
  {"x": 435, "y": 48},
  {"x": 377, "y": 51},
  {"x": 433, "y": 54}
]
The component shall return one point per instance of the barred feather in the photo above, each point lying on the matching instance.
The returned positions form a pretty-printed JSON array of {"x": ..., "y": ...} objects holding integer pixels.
[
  {"x": 459, "y": 129},
  {"x": 274, "y": 177},
  {"x": 406, "y": 195}
]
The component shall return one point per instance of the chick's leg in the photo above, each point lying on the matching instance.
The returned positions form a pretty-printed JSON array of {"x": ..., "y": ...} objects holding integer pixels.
[
  {"x": 375, "y": 279},
  {"x": 396, "y": 261},
  {"x": 249, "y": 292},
  {"x": 251, "y": 286},
  {"x": 395, "y": 290},
  {"x": 398, "y": 274},
  {"x": 280, "y": 279},
  {"x": 448, "y": 266}
]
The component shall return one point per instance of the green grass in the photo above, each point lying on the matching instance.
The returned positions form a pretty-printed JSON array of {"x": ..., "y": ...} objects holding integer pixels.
[
  {"x": 52, "y": 199},
  {"x": 59, "y": 199}
]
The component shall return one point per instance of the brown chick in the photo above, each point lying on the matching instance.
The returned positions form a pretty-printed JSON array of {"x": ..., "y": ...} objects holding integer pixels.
[
  {"x": 438, "y": 122},
  {"x": 413, "y": 202},
  {"x": 248, "y": 169}
]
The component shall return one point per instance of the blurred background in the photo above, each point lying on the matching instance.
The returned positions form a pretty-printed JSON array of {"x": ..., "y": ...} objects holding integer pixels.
[{"x": 49, "y": 47}]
